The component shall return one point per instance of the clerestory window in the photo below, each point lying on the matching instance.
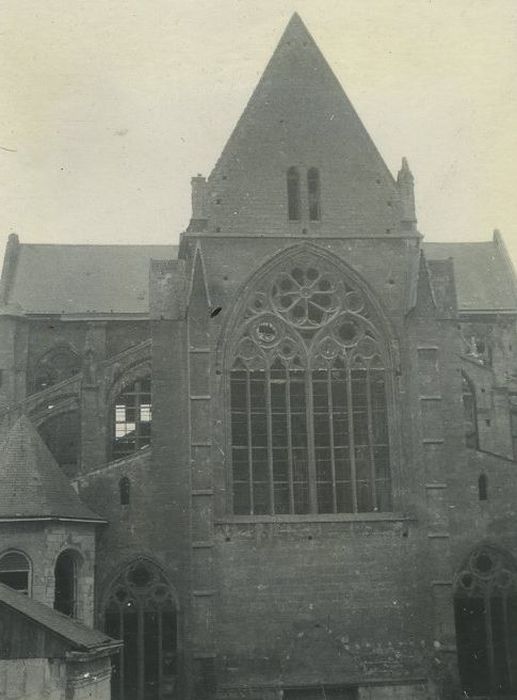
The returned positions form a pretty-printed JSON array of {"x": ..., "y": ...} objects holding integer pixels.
[
  {"x": 55, "y": 366},
  {"x": 309, "y": 424},
  {"x": 132, "y": 418}
]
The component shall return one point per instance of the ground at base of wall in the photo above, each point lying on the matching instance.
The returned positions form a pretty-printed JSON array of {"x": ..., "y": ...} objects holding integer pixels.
[{"x": 420, "y": 691}]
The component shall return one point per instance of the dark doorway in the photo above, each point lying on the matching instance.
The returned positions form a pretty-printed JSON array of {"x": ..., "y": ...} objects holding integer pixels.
[
  {"x": 65, "y": 574},
  {"x": 485, "y": 606},
  {"x": 141, "y": 611}
]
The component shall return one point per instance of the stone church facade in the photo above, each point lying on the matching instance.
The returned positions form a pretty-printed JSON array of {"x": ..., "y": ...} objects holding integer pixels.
[{"x": 293, "y": 436}]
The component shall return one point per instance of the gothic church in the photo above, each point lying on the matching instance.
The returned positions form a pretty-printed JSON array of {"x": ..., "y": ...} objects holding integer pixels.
[{"x": 277, "y": 461}]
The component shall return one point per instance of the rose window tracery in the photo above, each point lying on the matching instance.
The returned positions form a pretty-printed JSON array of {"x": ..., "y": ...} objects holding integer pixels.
[{"x": 308, "y": 397}]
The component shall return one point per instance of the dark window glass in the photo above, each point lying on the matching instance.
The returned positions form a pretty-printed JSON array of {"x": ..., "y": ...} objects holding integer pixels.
[
  {"x": 15, "y": 571},
  {"x": 293, "y": 195},
  {"x": 314, "y": 191},
  {"x": 485, "y": 605},
  {"x": 141, "y": 611},
  {"x": 483, "y": 487},
  {"x": 65, "y": 576},
  {"x": 132, "y": 418},
  {"x": 124, "y": 491}
]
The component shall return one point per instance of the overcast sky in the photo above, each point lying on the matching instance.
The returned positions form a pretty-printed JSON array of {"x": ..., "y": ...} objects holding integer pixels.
[{"x": 109, "y": 106}]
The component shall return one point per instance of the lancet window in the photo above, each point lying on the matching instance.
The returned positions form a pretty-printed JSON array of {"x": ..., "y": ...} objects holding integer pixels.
[{"x": 309, "y": 423}]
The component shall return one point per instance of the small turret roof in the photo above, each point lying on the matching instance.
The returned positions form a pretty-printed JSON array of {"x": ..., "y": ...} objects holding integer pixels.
[{"x": 33, "y": 485}]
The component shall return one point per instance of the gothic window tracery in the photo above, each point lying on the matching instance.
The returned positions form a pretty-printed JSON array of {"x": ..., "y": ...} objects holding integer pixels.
[
  {"x": 141, "y": 611},
  {"x": 55, "y": 366},
  {"x": 485, "y": 601},
  {"x": 309, "y": 427}
]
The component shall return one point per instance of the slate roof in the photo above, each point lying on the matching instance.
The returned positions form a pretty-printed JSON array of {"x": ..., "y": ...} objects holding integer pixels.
[
  {"x": 81, "y": 637},
  {"x": 78, "y": 279},
  {"x": 483, "y": 274},
  {"x": 32, "y": 484}
]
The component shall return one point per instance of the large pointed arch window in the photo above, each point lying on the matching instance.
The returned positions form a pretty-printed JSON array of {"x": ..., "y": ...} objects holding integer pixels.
[
  {"x": 485, "y": 604},
  {"x": 309, "y": 425},
  {"x": 141, "y": 611}
]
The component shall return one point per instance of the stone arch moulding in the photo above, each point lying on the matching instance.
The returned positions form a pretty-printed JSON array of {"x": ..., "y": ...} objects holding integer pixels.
[
  {"x": 43, "y": 363},
  {"x": 127, "y": 375},
  {"x": 106, "y": 582},
  {"x": 312, "y": 301},
  {"x": 284, "y": 257}
]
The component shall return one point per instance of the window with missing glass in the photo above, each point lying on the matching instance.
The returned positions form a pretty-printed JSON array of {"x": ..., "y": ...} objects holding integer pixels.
[
  {"x": 308, "y": 398},
  {"x": 132, "y": 418}
]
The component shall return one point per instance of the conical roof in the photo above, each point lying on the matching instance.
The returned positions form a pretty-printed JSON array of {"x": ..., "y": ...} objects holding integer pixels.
[
  {"x": 299, "y": 116},
  {"x": 32, "y": 484}
]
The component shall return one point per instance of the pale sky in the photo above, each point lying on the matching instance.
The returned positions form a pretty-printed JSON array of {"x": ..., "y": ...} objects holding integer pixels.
[{"x": 109, "y": 106}]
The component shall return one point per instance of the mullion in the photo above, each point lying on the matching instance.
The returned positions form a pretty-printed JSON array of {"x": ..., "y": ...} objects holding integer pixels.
[
  {"x": 351, "y": 438},
  {"x": 269, "y": 427},
  {"x": 311, "y": 461},
  {"x": 250, "y": 453},
  {"x": 289, "y": 441},
  {"x": 373, "y": 485},
  {"x": 331, "y": 440}
]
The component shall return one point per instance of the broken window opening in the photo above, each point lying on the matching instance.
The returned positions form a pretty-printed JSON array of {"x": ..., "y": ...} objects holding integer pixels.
[{"x": 132, "y": 419}]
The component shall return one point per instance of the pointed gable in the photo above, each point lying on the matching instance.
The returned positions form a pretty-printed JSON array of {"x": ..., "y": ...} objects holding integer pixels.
[
  {"x": 299, "y": 117},
  {"x": 33, "y": 485}
]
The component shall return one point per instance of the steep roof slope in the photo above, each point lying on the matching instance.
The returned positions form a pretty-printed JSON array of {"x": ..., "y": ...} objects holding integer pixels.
[
  {"x": 300, "y": 116},
  {"x": 79, "y": 279},
  {"x": 78, "y": 635},
  {"x": 482, "y": 272},
  {"x": 33, "y": 485}
]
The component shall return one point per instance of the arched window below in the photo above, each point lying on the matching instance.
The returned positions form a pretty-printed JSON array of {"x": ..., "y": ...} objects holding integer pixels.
[
  {"x": 469, "y": 413},
  {"x": 483, "y": 487},
  {"x": 55, "y": 366},
  {"x": 132, "y": 419},
  {"x": 65, "y": 577},
  {"x": 293, "y": 194},
  {"x": 485, "y": 604},
  {"x": 62, "y": 435},
  {"x": 124, "y": 486},
  {"x": 314, "y": 192},
  {"x": 141, "y": 611},
  {"x": 15, "y": 571}
]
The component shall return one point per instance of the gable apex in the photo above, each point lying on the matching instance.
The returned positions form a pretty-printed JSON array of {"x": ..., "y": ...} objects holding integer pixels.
[{"x": 299, "y": 116}]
